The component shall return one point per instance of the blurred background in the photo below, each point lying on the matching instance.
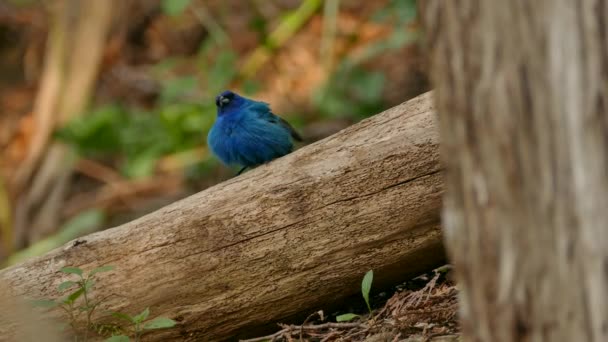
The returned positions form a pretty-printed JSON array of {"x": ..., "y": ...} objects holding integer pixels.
[{"x": 105, "y": 105}]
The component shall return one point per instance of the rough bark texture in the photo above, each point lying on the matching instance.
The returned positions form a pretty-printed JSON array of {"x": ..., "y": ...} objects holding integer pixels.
[
  {"x": 285, "y": 238},
  {"x": 522, "y": 94}
]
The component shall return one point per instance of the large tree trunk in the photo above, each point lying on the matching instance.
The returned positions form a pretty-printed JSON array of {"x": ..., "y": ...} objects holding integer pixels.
[
  {"x": 522, "y": 93},
  {"x": 292, "y": 236}
]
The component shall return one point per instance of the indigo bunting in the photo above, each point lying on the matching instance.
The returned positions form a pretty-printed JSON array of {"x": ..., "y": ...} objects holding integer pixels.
[{"x": 247, "y": 133}]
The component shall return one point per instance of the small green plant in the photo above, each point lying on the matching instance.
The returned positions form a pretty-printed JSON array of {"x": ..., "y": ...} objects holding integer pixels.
[
  {"x": 138, "y": 325},
  {"x": 174, "y": 7},
  {"x": 79, "y": 301},
  {"x": 81, "y": 288},
  {"x": 366, "y": 286}
]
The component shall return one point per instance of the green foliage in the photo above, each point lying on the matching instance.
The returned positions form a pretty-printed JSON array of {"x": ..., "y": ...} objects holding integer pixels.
[
  {"x": 134, "y": 139},
  {"x": 72, "y": 270},
  {"x": 346, "y": 317},
  {"x": 70, "y": 303},
  {"x": 354, "y": 91},
  {"x": 141, "y": 316},
  {"x": 174, "y": 7},
  {"x": 79, "y": 301},
  {"x": 118, "y": 338},
  {"x": 404, "y": 11},
  {"x": 366, "y": 286},
  {"x": 138, "y": 323},
  {"x": 159, "y": 323},
  {"x": 66, "y": 285},
  {"x": 178, "y": 123},
  {"x": 350, "y": 92},
  {"x": 139, "y": 137}
]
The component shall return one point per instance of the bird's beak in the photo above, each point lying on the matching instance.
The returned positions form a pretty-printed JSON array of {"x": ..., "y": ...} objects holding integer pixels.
[{"x": 220, "y": 101}]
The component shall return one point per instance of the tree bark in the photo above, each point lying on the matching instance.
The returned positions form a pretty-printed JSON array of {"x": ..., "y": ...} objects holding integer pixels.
[
  {"x": 522, "y": 96},
  {"x": 285, "y": 238}
]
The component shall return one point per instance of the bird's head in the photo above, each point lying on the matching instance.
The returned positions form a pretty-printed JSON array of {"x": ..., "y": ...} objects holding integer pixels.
[{"x": 228, "y": 100}]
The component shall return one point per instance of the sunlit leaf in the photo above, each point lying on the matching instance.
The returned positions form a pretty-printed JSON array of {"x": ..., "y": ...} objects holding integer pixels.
[
  {"x": 346, "y": 317},
  {"x": 142, "y": 316},
  {"x": 159, "y": 323},
  {"x": 65, "y": 285},
  {"x": 72, "y": 297},
  {"x": 72, "y": 270},
  {"x": 366, "y": 286},
  {"x": 174, "y": 7},
  {"x": 173, "y": 89},
  {"x": 117, "y": 338},
  {"x": 89, "y": 284}
]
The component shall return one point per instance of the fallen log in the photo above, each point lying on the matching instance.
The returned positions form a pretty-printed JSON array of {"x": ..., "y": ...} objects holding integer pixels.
[{"x": 291, "y": 236}]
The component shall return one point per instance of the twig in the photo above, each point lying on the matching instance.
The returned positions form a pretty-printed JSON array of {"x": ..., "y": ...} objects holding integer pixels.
[
  {"x": 330, "y": 336},
  {"x": 267, "y": 337},
  {"x": 428, "y": 288},
  {"x": 288, "y": 329},
  {"x": 320, "y": 313},
  {"x": 355, "y": 333}
]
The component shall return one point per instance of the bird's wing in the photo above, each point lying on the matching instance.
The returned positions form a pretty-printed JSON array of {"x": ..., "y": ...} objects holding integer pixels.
[
  {"x": 265, "y": 113},
  {"x": 292, "y": 131}
]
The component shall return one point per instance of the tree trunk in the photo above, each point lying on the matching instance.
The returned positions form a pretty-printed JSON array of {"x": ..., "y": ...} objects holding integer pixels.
[
  {"x": 289, "y": 237},
  {"x": 522, "y": 95}
]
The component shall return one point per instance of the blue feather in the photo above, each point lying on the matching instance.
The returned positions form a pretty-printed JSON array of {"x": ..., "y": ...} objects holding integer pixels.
[{"x": 247, "y": 133}]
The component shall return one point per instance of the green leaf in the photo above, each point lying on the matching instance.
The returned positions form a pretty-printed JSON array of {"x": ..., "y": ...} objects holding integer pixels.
[
  {"x": 44, "y": 303},
  {"x": 96, "y": 133},
  {"x": 251, "y": 87},
  {"x": 88, "y": 284},
  {"x": 124, "y": 316},
  {"x": 72, "y": 270},
  {"x": 101, "y": 269},
  {"x": 142, "y": 316},
  {"x": 117, "y": 338},
  {"x": 159, "y": 323},
  {"x": 142, "y": 165},
  {"x": 66, "y": 285},
  {"x": 366, "y": 286},
  {"x": 174, "y": 7},
  {"x": 174, "y": 89},
  {"x": 222, "y": 72},
  {"x": 346, "y": 317},
  {"x": 72, "y": 297}
]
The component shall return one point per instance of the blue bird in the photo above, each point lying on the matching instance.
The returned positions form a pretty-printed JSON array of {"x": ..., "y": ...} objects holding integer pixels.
[{"x": 247, "y": 133}]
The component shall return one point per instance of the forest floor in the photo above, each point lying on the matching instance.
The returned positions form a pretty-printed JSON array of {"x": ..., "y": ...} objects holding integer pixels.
[{"x": 423, "y": 309}]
